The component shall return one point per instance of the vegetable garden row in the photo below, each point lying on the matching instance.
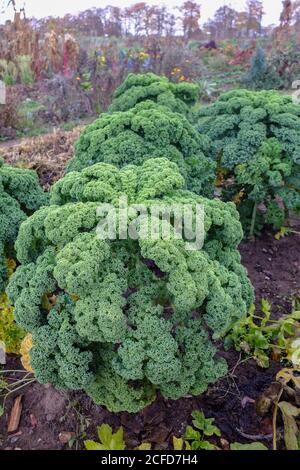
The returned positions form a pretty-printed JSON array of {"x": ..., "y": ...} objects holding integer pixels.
[{"x": 124, "y": 320}]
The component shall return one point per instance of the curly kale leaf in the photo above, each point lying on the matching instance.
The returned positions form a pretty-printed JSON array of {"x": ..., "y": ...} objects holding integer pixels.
[
  {"x": 20, "y": 196},
  {"x": 147, "y": 131},
  {"x": 256, "y": 144},
  {"x": 177, "y": 97}
]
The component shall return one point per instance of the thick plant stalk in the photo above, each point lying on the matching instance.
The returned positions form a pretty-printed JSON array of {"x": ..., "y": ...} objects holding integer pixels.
[
  {"x": 274, "y": 421},
  {"x": 253, "y": 220},
  {"x": 274, "y": 426}
]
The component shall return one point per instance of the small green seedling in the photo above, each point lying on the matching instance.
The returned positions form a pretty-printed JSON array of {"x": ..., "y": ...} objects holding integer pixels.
[
  {"x": 203, "y": 428},
  {"x": 108, "y": 439}
]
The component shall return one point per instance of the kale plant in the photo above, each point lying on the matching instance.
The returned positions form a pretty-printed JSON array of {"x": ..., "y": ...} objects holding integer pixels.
[
  {"x": 255, "y": 140},
  {"x": 177, "y": 97},
  {"x": 125, "y": 318},
  {"x": 147, "y": 131},
  {"x": 20, "y": 196}
]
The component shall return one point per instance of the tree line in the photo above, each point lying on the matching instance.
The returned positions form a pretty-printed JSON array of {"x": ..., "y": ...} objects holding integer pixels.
[{"x": 143, "y": 20}]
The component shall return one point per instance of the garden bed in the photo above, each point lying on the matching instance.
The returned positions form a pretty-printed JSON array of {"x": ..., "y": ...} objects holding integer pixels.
[{"x": 49, "y": 417}]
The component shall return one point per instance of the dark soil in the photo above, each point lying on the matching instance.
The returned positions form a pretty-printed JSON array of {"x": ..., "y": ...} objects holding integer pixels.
[{"x": 274, "y": 268}]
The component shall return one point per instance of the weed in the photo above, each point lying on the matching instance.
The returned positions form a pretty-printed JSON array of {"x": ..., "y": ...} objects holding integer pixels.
[{"x": 259, "y": 336}]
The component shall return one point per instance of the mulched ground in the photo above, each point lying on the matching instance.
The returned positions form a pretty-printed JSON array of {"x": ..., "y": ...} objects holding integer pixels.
[
  {"x": 274, "y": 268},
  {"x": 47, "y": 154}
]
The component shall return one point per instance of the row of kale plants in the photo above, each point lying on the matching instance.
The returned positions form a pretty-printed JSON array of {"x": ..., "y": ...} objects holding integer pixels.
[{"x": 122, "y": 319}]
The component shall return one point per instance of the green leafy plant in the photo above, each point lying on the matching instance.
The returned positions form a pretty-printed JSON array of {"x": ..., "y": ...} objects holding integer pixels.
[
  {"x": 180, "y": 444},
  {"x": 11, "y": 335},
  {"x": 108, "y": 439},
  {"x": 8, "y": 72},
  {"x": 178, "y": 97},
  {"x": 206, "y": 89},
  {"x": 29, "y": 115},
  {"x": 122, "y": 319},
  {"x": 111, "y": 441},
  {"x": 203, "y": 429},
  {"x": 20, "y": 196},
  {"x": 146, "y": 131},
  {"x": 253, "y": 446},
  {"x": 25, "y": 71},
  {"x": 261, "y": 74},
  {"x": 144, "y": 446},
  {"x": 195, "y": 438},
  {"x": 259, "y": 335},
  {"x": 86, "y": 82},
  {"x": 255, "y": 142}
]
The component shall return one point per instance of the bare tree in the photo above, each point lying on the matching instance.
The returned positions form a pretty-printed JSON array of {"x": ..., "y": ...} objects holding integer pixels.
[
  {"x": 191, "y": 14},
  {"x": 224, "y": 23},
  {"x": 286, "y": 14},
  {"x": 255, "y": 14}
]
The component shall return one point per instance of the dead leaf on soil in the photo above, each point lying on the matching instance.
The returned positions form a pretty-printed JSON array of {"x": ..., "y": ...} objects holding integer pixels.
[
  {"x": 153, "y": 417},
  {"x": 289, "y": 375},
  {"x": 266, "y": 425},
  {"x": 246, "y": 400},
  {"x": 158, "y": 435},
  {"x": 276, "y": 354},
  {"x": 289, "y": 413},
  {"x": 268, "y": 398},
  {"x": 224, "y": 444},
  {"x": 64, "y": 437},
  {"x": 15, "y": 415},
  {"x": 33, "y": 421}
]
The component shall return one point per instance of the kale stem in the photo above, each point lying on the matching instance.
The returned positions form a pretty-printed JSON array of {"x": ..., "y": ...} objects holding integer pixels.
[{"x": 253, "y": 220}]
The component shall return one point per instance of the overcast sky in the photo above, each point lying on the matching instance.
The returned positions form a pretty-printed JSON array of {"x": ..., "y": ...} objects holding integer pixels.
[{"x": 41, "y": 9}]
